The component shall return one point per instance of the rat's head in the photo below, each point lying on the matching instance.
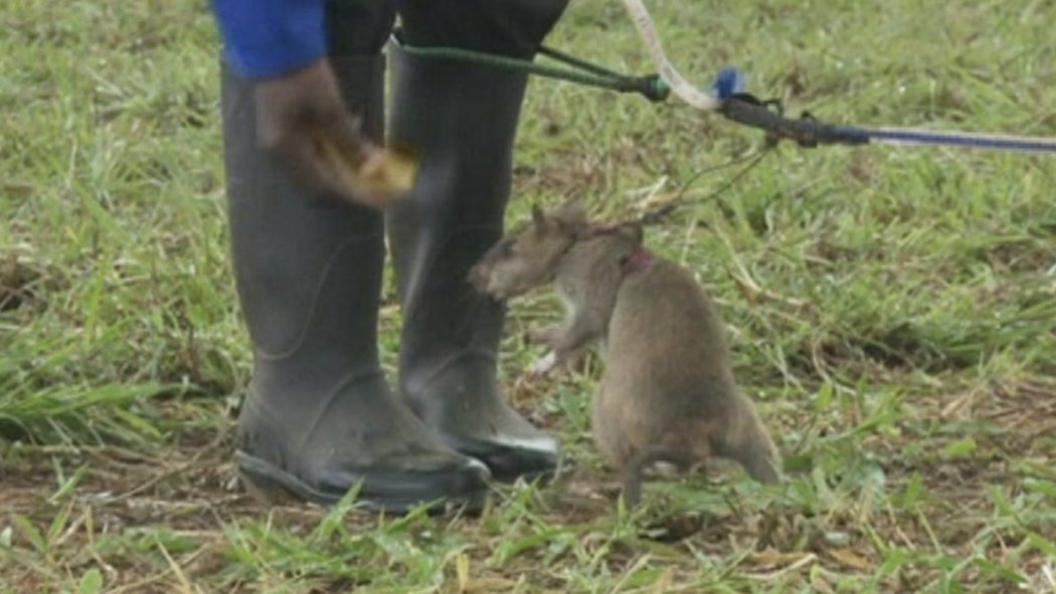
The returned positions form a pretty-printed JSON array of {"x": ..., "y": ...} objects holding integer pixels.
[{"x": 528, "y": 257}]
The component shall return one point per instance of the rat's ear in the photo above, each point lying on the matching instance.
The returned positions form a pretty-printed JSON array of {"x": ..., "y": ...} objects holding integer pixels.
[
  {"x": 572, "y": 212},
  {"x": 538, "y": 217}
]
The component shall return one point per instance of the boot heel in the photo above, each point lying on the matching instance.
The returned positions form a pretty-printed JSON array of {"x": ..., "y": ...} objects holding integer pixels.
[{"x": 262, "y": 487}]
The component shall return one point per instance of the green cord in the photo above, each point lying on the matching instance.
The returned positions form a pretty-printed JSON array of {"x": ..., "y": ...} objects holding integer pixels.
[
  {"x": 652, "y": 87},
  {"x": 571, "y": 60}
]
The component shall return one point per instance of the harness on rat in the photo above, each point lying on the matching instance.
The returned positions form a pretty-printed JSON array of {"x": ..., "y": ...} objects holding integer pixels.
[{"x": 638, "y": 261}]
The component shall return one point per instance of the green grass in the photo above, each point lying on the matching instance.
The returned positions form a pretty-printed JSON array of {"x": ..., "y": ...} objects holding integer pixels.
[{"x": 892, "y": 311}]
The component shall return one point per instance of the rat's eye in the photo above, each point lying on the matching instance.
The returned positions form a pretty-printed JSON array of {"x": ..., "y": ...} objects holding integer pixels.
[{"x": 506, "y": 248}]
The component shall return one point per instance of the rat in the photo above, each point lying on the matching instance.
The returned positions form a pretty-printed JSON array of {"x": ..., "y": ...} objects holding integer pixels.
[{"x": 667, "y": 392}]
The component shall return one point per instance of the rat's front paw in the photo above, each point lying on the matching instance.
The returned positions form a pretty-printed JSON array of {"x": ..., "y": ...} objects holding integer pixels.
[{"x": 544, "y": 365}]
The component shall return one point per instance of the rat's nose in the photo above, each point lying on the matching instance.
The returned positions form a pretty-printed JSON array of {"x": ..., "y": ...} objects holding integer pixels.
[{"x": 478, "y": 278}]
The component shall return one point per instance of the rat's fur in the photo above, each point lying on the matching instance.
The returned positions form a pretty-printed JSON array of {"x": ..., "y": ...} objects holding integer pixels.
[{"x": 668, "y": 392}]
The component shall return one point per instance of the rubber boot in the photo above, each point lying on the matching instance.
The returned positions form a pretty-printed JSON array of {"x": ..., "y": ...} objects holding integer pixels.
[
  {"x": 319, "y": 419},
  {"x": 461, "y": 119}
]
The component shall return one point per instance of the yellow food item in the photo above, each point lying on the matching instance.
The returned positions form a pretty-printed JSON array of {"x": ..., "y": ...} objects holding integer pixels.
[
  {"x": 378, "y": 175},
  {"x": 390, "y": 171}
]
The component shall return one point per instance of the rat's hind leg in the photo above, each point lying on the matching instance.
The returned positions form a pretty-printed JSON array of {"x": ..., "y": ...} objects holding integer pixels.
[{"x": 632, "y": 472}]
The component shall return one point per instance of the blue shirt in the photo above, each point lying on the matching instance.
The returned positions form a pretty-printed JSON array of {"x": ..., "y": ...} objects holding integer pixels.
[{"x": 264, "y": 38}]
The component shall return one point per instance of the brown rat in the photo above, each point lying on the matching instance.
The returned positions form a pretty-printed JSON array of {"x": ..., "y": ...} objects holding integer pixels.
[{"x": 668, "y": 392}]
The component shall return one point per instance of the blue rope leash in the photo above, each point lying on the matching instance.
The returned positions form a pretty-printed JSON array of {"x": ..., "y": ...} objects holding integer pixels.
[{"x": 961, "y": 139}]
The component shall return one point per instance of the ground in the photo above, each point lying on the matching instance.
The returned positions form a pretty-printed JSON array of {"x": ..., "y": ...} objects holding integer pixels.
[{"x": 891, "y": 310}]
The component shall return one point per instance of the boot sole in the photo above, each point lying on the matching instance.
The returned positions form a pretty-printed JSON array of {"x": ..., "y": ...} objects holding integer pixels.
[
  {"x": 502, "y": 461},
  {"x": 271, "y": 485}
]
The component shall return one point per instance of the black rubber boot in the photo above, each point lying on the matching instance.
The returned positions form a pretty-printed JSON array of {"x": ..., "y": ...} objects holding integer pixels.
[
  {"x": 319, "y": 418},
  {"x": 461, "y": 119}
]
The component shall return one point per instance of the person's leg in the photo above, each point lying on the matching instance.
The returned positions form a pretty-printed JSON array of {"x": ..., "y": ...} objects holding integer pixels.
[
  {"x": 461, "y": 119},
  {"x": 319, "y": 418}
]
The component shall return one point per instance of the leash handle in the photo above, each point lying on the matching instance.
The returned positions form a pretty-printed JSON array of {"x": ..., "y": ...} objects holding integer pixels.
[{"x": 806, "y": 131}]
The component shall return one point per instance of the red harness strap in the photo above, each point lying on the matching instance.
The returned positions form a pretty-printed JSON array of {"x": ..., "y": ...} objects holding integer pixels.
[{"x": 640, "y": 260}]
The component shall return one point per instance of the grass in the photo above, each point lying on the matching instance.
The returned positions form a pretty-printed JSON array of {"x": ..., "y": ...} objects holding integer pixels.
[{"x": 892, "y": 311}]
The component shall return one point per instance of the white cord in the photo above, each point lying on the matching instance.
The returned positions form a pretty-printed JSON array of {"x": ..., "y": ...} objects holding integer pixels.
[{"x": 679, "y": 85}]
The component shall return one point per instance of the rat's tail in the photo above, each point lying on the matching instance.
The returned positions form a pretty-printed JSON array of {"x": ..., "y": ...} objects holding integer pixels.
[{"x": 747, "y": 441}]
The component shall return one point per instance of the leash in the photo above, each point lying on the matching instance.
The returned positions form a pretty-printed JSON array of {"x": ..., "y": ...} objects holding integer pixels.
[
  {"x": 667, "y": 72},
  {"x": 809, "y": 132},
  {"x": 656, "y": 216},
  {"x": 572, "y": 69},
  {"x": 727, "y": 97}
]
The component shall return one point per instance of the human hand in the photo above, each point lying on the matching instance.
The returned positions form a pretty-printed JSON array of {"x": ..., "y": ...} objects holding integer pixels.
[{"x": 302, "y": 117}]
